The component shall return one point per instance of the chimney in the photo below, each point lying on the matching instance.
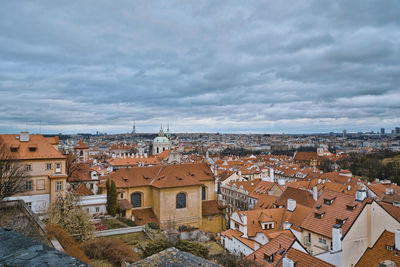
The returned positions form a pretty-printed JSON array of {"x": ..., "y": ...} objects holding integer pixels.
[
  {"x": 271, "y": 174},
  {"x": 319, "y": 180},
  {"x": 336, "y": 237},
  {"x": 389, "y": 191},
  {"x": 286, "y": 262},
  {"x": 291, "y": 204},
  {"x": 24, "y": 137},
  {"x": 361, "y": 194},
  {"x": 397, "y": 239},
  {"x": 315, "y": 193},
  {"x": 387, "y": 263},
  {"x": 287, "y": 225}
]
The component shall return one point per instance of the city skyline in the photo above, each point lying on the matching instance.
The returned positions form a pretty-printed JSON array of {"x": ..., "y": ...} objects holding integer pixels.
[{"x": 292, "y": 67}]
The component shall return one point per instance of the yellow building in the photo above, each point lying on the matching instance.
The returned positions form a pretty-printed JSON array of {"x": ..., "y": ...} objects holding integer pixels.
[
  {"x": 45, "y": 165},
  {"x": 172, "y": 195}
]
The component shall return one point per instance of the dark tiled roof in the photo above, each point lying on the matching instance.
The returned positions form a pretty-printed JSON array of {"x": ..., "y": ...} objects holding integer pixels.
[
  {"x": 173, "y": 257},
  {"x": 19, "y": 250}
]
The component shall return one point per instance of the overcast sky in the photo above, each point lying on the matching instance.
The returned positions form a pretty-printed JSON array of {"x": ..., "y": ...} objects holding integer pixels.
[{"x": 201, "y": 66}]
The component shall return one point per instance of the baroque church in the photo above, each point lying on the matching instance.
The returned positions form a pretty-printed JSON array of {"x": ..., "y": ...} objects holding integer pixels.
[{"x": 161, "y": 142}]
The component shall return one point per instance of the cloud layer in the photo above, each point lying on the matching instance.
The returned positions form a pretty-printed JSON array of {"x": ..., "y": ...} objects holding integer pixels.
[{"x": 234, "y": 66}]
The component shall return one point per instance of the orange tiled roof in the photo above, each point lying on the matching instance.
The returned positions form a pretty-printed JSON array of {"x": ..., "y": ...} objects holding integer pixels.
[
  {"x": 276, "y": 247},
  {"x": 338, "y": 207},
  {"x": 144, "y": 216},
  {"x": 379, "y": 252},
  {"x": 210, "y": 207},
  {"x": 132, "y": 161},
  {"x": 302, "y": 259},
  {"x": 81, "y": 145},
  {"x": 43, "y": 147},
  {"x": 302, "y": 197},
  {"x": 163, "y": 176},
  {"x": 82, "y": 190}
]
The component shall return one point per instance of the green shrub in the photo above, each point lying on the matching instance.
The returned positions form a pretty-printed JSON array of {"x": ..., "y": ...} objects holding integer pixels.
[
  {"x": 186, "y": 228},
  {"x": 192, "y": 247},
  {"x": 156, "y": 246},
  {"x": 153, "y": 225},
  {"x": 127, "y": 221}
]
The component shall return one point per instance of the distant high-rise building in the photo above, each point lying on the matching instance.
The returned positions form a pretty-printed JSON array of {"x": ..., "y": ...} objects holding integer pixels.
[
  {"x": 344, "y": 133},
  {"x": 382, "y": 131},
  {"x": 397, "y": 130}
]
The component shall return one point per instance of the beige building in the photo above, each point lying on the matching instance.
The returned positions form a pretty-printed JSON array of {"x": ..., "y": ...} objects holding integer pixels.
[
  {"x": 45, "y": 165},
  {"x": 174, "y": 194}
]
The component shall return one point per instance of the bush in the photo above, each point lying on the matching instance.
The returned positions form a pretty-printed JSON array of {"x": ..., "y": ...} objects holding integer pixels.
[
  {"x": 153, "y": 225},
  {"x": 192, "y": 247},
  {"x": 70, "y": 246},
  {"x": 127, "y": 221},
  {"x": 156, "y": 246},
  {"x": 112, "y": 250}
]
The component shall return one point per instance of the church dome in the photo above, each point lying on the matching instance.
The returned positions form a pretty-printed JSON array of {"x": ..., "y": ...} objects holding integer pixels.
[{"x": 161, "y": 139}]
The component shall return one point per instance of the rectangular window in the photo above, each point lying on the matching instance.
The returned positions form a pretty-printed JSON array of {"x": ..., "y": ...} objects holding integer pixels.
[
  {"x": 59, "y": 186},
  {"x": 58, "y": 167},
  {"x": 28, "y": 167},
  {"x": 121, "y": 195},
  {"x": 97, "y": 209},
  {"x": 29, "y": 204},
  {"x": 91, "y": 186},
  {"x": 203, "y": 193},
  {"x": 322, "y": 240},
  {"x": 49, "y": 166},
  {"x": 28, "y": 185},
  {"x": 40, "y": 184}
]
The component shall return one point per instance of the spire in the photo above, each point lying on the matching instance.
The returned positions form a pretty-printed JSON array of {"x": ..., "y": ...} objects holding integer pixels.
[
  {"x": 168, "y": 133},
  {"x": 161, "y": 132},
  {"x": 134, "y": 127}
]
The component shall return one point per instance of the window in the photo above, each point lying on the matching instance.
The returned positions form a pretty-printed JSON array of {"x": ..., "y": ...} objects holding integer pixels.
[
  {"x": 268, "y": 226},
  {"x": 40, "y": 184},
  {"x": 97, "y": 209},
  {"x": 203, "y": 193},
  {"x": 322, "y": 240},
  {"x": 49, "y": 166},
  {"x": 58, "y": 186},
  {"x": 29, "y": 204},
  {"x": 181, "y": 201},
  {"x": 136, "y": 200},
  {"x": 28, "y": 167},
  {"x": 269, "y": 258},
  {"x": 81, "y": 153},
  {"x": 91, "y": 186},
  {"x": 28, "y": 185},
  {"x": 121, "y": 195},
  {"x": 58, "y": 167}
]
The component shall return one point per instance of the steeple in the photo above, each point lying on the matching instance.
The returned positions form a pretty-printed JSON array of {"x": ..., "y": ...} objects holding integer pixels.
[
  {"x": 168, "y": 134},
  {"x": 161, "y": 132},
  {"x": 134, "y": 128}
]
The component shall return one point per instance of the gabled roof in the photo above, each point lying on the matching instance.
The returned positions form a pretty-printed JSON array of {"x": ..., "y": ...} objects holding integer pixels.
[
  {"x": 43, "y": 147},
  {"x": 81, "y": 145},
  {"x": 380, "y": 252},
  {"x": 337, "y": 209},
  {"x": 163, "y": 176},
  {"x": 302, "y": 259},
  {"x": 82, "y": 190},
  {"x": 302, "y": 197}
]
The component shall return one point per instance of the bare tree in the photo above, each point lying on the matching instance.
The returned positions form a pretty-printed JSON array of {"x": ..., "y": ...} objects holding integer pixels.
[
  {"x": 13, "y": 175},
  {"x": 66, "y": 213}
]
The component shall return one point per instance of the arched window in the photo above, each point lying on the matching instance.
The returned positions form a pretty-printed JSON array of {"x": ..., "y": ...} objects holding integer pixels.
[
  {"x": 81, "y": 153},
  {"x": 181, "y": 201},
  {"x": 136, "y": 200},
  {"x": 203, "y": 192}
]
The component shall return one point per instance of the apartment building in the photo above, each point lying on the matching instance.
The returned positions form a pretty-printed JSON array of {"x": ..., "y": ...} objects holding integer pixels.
[{"x": 45, "y": 165}]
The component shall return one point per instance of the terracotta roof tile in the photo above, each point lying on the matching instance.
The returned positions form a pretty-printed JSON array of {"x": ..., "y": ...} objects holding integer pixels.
[
  {"x": 210, "y": 207},
  {"x": 144, "y": 216}
]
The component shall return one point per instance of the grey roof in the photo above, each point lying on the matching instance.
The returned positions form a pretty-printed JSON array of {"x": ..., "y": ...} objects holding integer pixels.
[
  {"x": 19, "y": 250},
  {"x": 173, "y": 257}
]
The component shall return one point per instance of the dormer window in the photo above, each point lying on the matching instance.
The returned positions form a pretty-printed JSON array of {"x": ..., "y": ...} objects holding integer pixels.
[
  {"x": 269, "y": 258},
  {"x": 14, "y": 148},
  {"x": 268, "y": 225},
  {"x": 328, "y": 201},
  {"x": 319, "y": 215},
  {"x": 351, "y": 207},
  {"x": 389, "y": 247},
  {"x": 340, "y": 221}
]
